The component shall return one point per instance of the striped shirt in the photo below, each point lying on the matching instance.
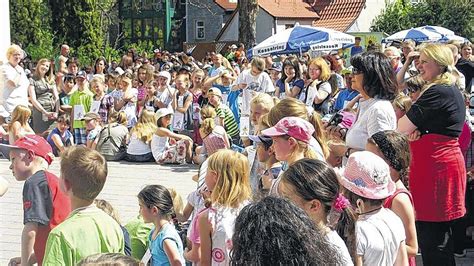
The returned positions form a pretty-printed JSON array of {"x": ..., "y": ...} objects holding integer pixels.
[{"x": 230, "y": 124}]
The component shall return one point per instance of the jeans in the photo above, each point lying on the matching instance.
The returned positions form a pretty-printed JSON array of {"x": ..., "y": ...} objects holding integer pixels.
[{"x": 436, "y": 242}]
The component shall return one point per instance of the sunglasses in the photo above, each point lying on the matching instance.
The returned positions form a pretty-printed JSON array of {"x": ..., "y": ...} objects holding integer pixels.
[{"x": 356, "y": 71}]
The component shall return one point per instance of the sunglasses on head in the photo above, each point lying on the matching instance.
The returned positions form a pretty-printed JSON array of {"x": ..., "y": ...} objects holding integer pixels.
[{"x": 356, "y": 71}]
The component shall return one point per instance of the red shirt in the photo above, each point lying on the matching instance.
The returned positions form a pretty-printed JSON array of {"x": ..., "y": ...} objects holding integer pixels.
[{"x": 44, "y": 204}]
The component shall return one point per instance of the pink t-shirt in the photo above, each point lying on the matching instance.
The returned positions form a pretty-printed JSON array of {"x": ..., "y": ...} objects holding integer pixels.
[{"x": 194, "y": 236}]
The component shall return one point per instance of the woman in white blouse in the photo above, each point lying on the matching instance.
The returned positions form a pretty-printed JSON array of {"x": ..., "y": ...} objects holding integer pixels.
[
  {"x": 374, "y": 79},
  {"x": 15, "y": 83}
]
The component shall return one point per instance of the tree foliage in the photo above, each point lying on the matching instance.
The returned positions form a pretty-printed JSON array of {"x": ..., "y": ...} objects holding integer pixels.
[
  {"x": 43, "y": 25},
  {"x": 456, "y": 15},
  {"x": 30, "y": 20}
]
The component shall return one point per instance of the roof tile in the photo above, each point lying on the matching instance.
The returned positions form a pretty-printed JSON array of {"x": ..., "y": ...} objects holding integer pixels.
[
  {"x": 337, "y": 14},
  {"x": 227, "y": 4},
  {"x": 288, "y": 9}
]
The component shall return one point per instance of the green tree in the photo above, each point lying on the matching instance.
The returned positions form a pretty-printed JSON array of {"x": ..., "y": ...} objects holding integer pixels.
[
  {"x": 30, "y": 27},
  {"x": 456, "y": 15},
  {"x": 83, "y": 25}
]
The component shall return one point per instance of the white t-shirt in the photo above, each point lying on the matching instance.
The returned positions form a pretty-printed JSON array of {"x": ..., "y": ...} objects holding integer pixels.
[
  {"x": 137, "y": 147},
  {"x": 375, "y": 115},
  {"x": 158, "y": 146},
  {"x": 130, "y": 109},
  {"x": 379, "y": 235},
  {"x": 10, "y": 98},
  {"x": 313, "y": 91},
  {"x": 260, "y": 83},
  {"x": 341, "y": 247}
]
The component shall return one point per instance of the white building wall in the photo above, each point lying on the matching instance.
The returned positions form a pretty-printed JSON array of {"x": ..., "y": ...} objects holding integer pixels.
[
  {"x": 281, "y": 24},
  {"x": 371, "y": 10},
  {"x": 4, "y": 28}
]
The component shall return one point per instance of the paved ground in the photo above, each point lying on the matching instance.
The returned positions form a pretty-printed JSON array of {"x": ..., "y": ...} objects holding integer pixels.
[{"x": 123, "y": 184}]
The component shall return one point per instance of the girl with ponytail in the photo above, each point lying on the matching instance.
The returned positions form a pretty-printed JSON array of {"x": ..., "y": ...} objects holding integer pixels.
[
  {"x": 313, "y": 185},
  {"x": 156, "y": 206}
]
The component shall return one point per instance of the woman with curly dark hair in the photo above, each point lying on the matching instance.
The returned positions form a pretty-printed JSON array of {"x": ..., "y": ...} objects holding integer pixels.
[
  {"x": 273, "y": 231},
  {"x": 313, "y": 186}
]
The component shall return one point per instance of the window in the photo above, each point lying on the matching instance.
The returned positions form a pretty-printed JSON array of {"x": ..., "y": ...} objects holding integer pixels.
[
  {"x": 200, "y": 30},
  {"x": 288, "y": 26}
]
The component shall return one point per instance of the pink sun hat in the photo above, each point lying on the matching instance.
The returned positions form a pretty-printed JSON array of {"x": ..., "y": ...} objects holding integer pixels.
[
  {"x": 295, "y": 127},
  {"x": 367, "y": 175}
]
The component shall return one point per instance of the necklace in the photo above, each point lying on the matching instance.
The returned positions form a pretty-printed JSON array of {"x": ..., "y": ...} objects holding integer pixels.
[{"x": 374, "y": 210}]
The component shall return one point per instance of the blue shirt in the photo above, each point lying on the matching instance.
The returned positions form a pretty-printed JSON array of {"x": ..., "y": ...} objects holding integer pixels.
[
  {"x": 158, "y": 255},
  {"x": 356, "y": 50},
  {"x": 295, "y": 82},
  {"x": 344, "y": 95},
  {"x": 66, "y": 139}
]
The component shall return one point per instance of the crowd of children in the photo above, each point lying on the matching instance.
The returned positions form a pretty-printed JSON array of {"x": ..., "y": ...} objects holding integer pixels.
[{"x": 278, "y": 183}]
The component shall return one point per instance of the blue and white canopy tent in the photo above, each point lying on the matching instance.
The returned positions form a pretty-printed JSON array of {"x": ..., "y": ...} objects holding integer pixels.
[
  {"x": 425, "y": 34},
  {"x": 415, "y": 34},
  {"x": 300, "y": 39}
]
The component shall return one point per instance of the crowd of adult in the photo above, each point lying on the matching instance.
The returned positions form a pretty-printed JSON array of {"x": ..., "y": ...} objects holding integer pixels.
[{"x": 363, "y": 161}]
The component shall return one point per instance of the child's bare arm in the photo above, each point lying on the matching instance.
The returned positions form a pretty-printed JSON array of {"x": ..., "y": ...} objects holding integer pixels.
[
  {"x": 171, "y": 252},
  {"x": 206, "y": 242},
  {"x": 27, "y": 243},
  {"x": 194, "y": 254}
]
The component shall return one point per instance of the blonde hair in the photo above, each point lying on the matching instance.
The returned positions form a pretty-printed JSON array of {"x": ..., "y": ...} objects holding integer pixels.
[
  {"x": 145, "y": 127},
  {"x": 207, "y": 126},
  {"x": 208, "y": 112},
  {"x": 263, "y": 122},
  {"x": 21, "y": 114},
  {"x": 85, "y": 169},
  {"x": 323, "y": 65},
  {"x": 233, "y": 184},
  {"x": 107, "y": 208},
  {"x": 265, "y": 101},
  {"x": 97, "y": 80},
  {"x": 119, "y": 117},
  {"x": 402, "y": 102},
  {"x": 12, "y": 49},
  {"x": 178, "y": 204},
  {"x": 258, "y": 63},
  {"x": 293, "y": 107},
  {"x": 443, "y": 57}
]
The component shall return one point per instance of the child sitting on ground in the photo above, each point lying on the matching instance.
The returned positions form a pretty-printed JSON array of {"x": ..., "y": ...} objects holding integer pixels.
[
  {"x": 214, "y": 137},
  {"x": 139, "y": 149},
  {"x": 167, "y": 146},
  {"x": 44, "y": 204},
  {"x": 93, "y": 126},
  {"x": 88, "y": 230},
  {"x": 61, "y": 137}
]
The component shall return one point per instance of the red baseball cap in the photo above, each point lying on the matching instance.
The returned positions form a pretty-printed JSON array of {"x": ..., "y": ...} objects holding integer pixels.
[
  {"x": 292, "y": 126},
  {"x": 37, "y": 144}
]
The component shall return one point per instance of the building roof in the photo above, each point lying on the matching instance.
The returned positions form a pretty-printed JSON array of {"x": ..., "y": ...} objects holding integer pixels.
[
  {"x": 227, "y": 4},
  {"x": 337, "y": 14},
  {"x": 288, "y": 9}
]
